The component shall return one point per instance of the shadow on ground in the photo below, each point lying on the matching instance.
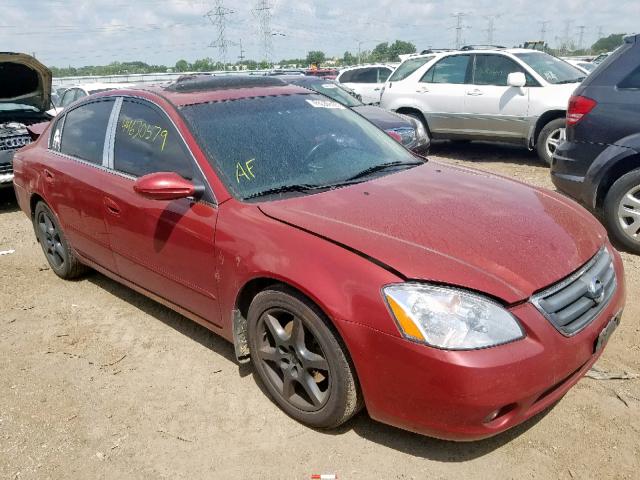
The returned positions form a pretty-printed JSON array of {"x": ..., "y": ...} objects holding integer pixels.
[
  {"x": 485, "y": 152},
  {"x": 8, "y": 202}
]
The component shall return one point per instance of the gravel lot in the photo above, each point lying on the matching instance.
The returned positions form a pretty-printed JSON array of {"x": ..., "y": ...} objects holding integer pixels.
[{"x": 97, "y": 381}]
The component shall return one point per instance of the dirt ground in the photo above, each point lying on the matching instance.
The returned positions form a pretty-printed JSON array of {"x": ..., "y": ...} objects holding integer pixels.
[{"x": 97, "y": 381}]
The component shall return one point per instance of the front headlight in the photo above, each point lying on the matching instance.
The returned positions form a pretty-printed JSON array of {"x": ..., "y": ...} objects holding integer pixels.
[{"x": 449, "y": 318}]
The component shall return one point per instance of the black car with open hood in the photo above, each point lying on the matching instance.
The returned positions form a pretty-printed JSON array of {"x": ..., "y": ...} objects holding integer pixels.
[{"x": 25, "y": 97}]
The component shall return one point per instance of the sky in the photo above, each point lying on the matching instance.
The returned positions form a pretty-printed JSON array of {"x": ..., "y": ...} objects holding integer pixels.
[{"x": 97, "y": 32}]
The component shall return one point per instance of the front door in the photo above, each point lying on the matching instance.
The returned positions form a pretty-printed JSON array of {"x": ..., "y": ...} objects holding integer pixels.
[
  {"x": 166, "y": 247},
  {"x": 495, "y": 109}
]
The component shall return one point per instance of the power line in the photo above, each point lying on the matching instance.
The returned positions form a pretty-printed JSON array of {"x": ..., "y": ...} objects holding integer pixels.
[{"x": 218, "y": 17}]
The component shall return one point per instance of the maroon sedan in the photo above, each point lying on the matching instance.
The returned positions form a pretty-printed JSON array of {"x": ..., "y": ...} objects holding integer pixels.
[{"x": 447, "y": 301}]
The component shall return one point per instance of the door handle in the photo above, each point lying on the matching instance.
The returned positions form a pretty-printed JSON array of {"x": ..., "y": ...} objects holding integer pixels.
[
  {"x": 474, "y": 93},
  {"x": 376, "y": 89},
  {"x": 48, "y": 176},
  {"x": 112, "y": 207},
  {"x": 422, "y": 90}
]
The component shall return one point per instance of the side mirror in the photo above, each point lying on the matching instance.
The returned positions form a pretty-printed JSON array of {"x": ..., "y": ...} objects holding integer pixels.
[
  {"x": 516, "y": 79},
  {"x": 166, "y": 186}
]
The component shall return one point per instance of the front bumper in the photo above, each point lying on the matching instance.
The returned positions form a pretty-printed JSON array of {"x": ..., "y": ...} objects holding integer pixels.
[
  {"x": 451, "y": 394},
  {"x": 6, "y": 168}
]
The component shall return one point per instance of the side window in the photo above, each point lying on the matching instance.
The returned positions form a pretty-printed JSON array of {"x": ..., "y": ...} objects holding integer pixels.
[
  {"x": 68, "y": 97},
  {"x": 632, "y": 81},
  {"x": 383, "y": 74},
  {"x": 363, "y": 75},
  {"x": 346, "y": 76},
  {"x": 451, "y": 69},
  {"x": 494, "y": 70},
  {"x": 55, "y": 139},
  {"x": 146, "y": 142},
  {"x": 84, "y": 130}
]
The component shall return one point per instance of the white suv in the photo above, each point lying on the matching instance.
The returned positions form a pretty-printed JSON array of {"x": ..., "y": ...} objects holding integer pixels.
[
  {"x": 497, "y": 94},
  {"x": 366, "y": 80}
]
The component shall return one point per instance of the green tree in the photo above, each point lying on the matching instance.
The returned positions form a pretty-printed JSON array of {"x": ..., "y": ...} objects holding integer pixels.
[
  {"x": 349, "y": 59},
  {"x": 380, "y": 53},
  {"x": 182, "y": 66},
  {"x": 398, "y": 48},
  {"x": 607, "y": 44},
  {"x": 316, "y": 57}
]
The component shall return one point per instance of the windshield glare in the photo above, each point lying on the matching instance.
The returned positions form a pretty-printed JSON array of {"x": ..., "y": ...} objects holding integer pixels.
[
  {"x": 334, "y": 91},
  {"x": 552, "y": 69},
  {"x": 264, "y": 143}
]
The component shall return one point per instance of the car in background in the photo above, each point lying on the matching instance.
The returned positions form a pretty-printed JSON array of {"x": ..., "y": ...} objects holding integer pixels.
[
  {"x": 25, "y": 96},
  {"x": 366, "y": 80},
  {"x": 327, "y": 73},
  {"x": 586, "y": 67},
  {"x": 71, "y": 94},
  {"x": 599, "y": 163},
  {"x": 601, "y": 58},
  {"x": 489, "y": 93},
  {"x": 408, "y": 131}
]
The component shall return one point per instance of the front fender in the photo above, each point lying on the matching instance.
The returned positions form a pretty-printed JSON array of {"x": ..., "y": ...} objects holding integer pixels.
[{"x": 344, "y": 285}]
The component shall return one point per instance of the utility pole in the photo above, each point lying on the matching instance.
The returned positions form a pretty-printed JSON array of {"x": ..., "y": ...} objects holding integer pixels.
[
  {"x": 543, "y": 29},
  {"x": 262, "y": 11},
  {"x": 600, "y": 32},
  {"x": 241, "y": 56},
  {"x": 491, "y": 27},
  {"x": 218, "y": 17},
  {"x": 459, "y": 16},
  {"x": 581, "y": 29},
  {"x": 360, "y": 52}
]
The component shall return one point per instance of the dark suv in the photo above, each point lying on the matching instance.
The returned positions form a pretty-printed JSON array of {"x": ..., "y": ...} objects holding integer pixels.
[{"x": 599, "y": 163}]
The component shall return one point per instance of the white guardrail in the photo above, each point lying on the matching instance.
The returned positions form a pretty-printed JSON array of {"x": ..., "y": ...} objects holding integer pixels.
[{"x": 142, "y": 77}]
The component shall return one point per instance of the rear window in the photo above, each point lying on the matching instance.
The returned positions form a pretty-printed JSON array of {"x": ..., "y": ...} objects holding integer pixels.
[
  {"x": 632, "y": 81},
  {"x": 84, "y": 130},
  {"x": 408, "y": 67}
]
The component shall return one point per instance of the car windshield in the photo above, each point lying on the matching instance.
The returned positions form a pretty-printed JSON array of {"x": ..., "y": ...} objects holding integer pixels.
[
  {"x": 334, "y": 91},
  {"x": 552, "y": 69},
  {"x": 297, "y": 142}
]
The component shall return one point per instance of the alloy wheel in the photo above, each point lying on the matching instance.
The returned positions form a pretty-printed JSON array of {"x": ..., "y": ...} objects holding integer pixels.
[
  {"x": 51, "y": 242},
  {"x": 554, "y": 139},
  {"x": 293, "y": 360},
  {"x": 629, "y": 213}
]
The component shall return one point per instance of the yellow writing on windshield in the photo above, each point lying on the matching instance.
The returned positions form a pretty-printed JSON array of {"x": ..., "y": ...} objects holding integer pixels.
[{"x": 245, "y": 170}]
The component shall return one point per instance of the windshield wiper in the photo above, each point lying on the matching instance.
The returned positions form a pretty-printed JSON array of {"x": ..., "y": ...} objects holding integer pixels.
[
  {"x": 378, "y": 168},
  {"x": 299, "y": 187}
]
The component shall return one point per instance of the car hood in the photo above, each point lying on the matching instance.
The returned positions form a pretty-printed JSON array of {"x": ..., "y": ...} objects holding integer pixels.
[
  {"x": 24, "y": 80},
  {"x": 453, "y": 226},
  {"x": 382, "y": 118}
]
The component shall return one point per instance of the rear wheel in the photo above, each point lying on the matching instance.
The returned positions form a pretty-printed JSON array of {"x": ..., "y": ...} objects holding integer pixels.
[
  {"x": 300, "y": 360},
  {"x": 622, "y": 211},
  {"x": 54, "y": 244},
  {"x": 550, "y": 138}
]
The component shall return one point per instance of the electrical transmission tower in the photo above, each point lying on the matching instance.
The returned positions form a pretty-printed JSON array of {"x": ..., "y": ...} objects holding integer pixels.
[
  {"x": 218, "y": 17},
  {"x": 543, "y": 29},
  {"x": 491, "y": 27},
  {"x": 460, "y": 26},
  {"x": 262, "y": 11},
  {"x": 567, "y": 35},
  {"x": 581, "y": 29}
]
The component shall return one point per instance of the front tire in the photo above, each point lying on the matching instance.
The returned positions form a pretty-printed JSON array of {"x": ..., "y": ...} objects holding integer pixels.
[
  {"x": 622, "y": 211},
  {"x": 300, "y": 360},
  {"x": 54, "y": 244},
  {"x": 550, "y": 138}
]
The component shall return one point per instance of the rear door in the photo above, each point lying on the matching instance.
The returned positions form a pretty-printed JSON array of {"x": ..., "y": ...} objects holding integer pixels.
[
  {"x": 440, "y": 94},
  {"x": 495, "y": 109},
  {"x": 164, "y": 246},
  {"x": 75, "y": 174}
]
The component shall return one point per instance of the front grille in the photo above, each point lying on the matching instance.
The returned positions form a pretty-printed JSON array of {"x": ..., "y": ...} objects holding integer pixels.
[
  {"x": 13, "y": 143},
  {"x": 6, "y": 168},
  {"x": 574, "y": 302}
]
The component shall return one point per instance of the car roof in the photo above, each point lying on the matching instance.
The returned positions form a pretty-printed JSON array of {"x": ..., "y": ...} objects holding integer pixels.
[
  {"x": 196, "y": 89},
  {"x": 368, "y": 65}
]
